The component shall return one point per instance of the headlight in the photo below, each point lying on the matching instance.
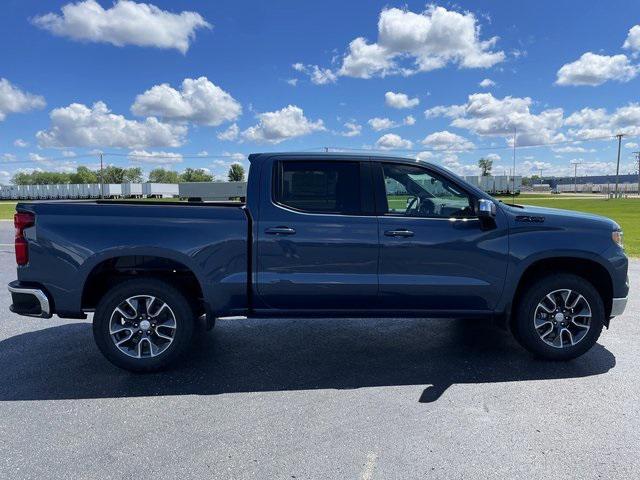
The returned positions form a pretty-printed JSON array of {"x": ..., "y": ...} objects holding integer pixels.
[{"x": 617, "y": 237}]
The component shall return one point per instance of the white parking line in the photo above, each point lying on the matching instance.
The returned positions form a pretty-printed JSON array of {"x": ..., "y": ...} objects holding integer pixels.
[{"x": 369, "y": 467}]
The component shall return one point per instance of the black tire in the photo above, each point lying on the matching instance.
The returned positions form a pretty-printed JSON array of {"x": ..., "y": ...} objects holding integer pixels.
[
  {"x": 529, "y": 337},
  {"x": 179, "y": 306}
]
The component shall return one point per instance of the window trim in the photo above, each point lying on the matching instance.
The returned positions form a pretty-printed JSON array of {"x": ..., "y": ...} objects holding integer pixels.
[
  {"x": 276, "y": 185},
  {"x": 382, "y": 205}
]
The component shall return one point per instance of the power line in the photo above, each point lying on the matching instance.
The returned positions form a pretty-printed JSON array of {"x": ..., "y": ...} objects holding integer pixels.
[
  {"x": 226, "y": 156},
  {"x": 473, "y": 149}
]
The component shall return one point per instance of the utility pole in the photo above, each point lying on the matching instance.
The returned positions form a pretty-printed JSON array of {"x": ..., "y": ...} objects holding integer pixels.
[
  {"x": 541, "y": 176},
  {"x": 513, "y": 177},
  {"x": 575, "y": 176},
  {"x": 620, "y": 135},
  {"x": 637, "y": 154},
  {"x": 101, "y": 179}
]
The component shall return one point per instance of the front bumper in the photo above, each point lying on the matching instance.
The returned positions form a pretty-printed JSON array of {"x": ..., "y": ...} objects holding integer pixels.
[
  {"x": 29, "y": 300},
  {"x": 618, "y": 305}
]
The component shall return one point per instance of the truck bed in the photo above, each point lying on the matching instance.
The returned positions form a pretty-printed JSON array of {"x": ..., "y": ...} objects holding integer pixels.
[{"x": 71, "y": 241}]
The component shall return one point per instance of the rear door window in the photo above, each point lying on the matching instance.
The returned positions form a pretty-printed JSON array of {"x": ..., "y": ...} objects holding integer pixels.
[{"x": 319, "y": 187}]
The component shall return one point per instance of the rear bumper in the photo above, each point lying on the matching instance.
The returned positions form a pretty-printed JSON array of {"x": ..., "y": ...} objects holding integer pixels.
[
  {"x": 29, "y": 300},
  {"x": 618, "y": 305}
]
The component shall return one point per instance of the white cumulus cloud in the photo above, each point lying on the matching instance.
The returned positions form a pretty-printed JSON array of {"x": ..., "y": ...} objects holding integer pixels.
[
  {"x": 379, "y": 124},
  {"x": 391, "y": 141},
  {"x": 483, "y": 114},
  {"x": 281, "y": 125},
  {"x": 410, "y": 42},
  {"x": 162, "y": 158},
  {"x": 230, "y": 133},
  {"x": 199, "y": 101},
  {"x": 400, "y": 100},
  {"x": 409, "y": 120},
  {"x": 353, "y": 129},
  {"x": 446, "y": 140},
  {"x": 590, "y": 123},
  {"x": 14, "y": 100},
  {"x": 592, "y": 69},
  {"x": 80, "y": 126},
  {"x": 487, "y": 83},
  {"x": 318, "y": 75},
  {"x": 20, "y": 143},
  {"x": 633, "y": 39},
  {"x": 124, "y": 23}
]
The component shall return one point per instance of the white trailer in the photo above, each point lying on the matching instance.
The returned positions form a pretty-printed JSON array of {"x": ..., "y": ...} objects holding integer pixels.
[
  {"x": 112, "y": 190},
  {"x": 132, "y": 190},
  {"x": 74, "y": 190},
  {"x": 213, "y": 190},
  {"x": 160, "y": 190},
  {"x": 93, "y": 190}
]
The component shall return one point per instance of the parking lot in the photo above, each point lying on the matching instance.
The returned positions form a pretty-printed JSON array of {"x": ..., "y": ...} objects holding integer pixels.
[{"x": 314, "y": 399}]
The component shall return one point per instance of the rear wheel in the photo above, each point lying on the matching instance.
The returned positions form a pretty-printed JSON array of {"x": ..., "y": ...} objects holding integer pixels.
[
  {"x": 143, "y": 325},
  {"x": 560, "y": 317}
]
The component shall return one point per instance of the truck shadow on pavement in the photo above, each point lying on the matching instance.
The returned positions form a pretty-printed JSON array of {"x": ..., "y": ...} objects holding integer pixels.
[{"x": 267, "y": 355}]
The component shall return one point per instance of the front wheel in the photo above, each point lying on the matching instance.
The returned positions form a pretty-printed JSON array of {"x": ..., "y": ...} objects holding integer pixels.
[
  {"x": 560, "y": 317},
  {"x": 143, "y": 325}
]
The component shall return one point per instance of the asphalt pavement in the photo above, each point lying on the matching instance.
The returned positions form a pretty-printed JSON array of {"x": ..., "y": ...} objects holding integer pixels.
[{"x": 318, "y": 399}]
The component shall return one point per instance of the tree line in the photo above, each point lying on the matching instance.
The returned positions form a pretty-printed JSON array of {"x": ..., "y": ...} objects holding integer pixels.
[{"x": 112, "y": 174}]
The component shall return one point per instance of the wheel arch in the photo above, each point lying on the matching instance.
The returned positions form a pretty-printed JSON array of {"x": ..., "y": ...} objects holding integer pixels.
[
  {"x": 587, "y": 268},
  {"x": 113, "y": 269}
]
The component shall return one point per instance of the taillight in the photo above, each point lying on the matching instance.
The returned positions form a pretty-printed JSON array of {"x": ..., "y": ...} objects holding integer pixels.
[{"x": 22, "y": 220}]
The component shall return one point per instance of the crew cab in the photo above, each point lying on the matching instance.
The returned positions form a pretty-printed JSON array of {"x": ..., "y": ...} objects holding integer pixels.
[{"x": 329, "y": 235}]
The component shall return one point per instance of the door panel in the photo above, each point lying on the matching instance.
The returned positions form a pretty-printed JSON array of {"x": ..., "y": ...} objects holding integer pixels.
[
  {"x": 434, "y": 255},
  {"x": 324, "y": 260},
  {"x": 444, "y": 265}
]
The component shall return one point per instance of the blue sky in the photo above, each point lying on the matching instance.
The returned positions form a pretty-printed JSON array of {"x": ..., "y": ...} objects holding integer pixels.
[{"x": 164, "y": 82}]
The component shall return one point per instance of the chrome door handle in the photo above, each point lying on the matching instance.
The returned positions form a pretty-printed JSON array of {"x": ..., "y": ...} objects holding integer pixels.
[
  {"x": 280, "y": 231},
  {"x": 402, "y": 232}
]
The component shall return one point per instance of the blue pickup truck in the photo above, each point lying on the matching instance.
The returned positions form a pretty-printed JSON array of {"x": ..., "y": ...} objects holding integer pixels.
[{"x": 330, "y": 235}]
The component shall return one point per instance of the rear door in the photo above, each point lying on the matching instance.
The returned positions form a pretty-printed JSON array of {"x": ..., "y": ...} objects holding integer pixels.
[
  {"x": 317, "y": 236},
  {"x": 434, "y": 253}
]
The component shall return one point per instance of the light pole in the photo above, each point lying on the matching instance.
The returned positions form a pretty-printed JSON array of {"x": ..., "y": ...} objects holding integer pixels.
[
  {"x": 620, "y": 135},
  {"x": 101, "y": 179},
  {"x": 575, "y": 176},
  {"x": 637, "y": 154}
]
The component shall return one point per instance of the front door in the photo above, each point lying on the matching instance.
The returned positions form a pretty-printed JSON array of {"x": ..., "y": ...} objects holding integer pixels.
[
  {"x": 434, "y": 253},
  {"x": 317, "y": 247}
]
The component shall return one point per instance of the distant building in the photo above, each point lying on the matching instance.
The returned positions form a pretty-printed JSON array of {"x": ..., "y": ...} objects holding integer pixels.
[{"x": 596, "y": 179}]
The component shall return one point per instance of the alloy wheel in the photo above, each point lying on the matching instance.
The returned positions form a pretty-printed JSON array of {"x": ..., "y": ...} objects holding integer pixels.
[
  {"x": 142, "y": 326},
  {"x": 562, "y": 318}
]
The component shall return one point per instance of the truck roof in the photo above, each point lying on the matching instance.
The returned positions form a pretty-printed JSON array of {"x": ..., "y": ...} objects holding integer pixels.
[
  {"x": 253, "y": 157},
  {"x": 331, "y": 156}
]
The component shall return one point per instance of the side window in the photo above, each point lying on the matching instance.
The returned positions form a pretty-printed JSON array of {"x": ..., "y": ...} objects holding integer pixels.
[
  {"x": 319, "y": 187},
  {"x": 413, "y": 192}
]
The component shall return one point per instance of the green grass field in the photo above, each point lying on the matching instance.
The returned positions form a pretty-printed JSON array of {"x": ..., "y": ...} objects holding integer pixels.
[
  {"x": 7, "y": 209},
  {"x": 624, "y": 211}
]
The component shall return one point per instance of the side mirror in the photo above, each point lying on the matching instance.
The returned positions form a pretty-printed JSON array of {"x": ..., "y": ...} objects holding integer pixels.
[{"x": 486, "y": 208}]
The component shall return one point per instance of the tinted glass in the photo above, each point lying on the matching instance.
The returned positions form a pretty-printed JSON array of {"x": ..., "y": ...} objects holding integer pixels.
[
  {"x": 414, "y": 192},
  {"x": 320, "y": 187}
]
